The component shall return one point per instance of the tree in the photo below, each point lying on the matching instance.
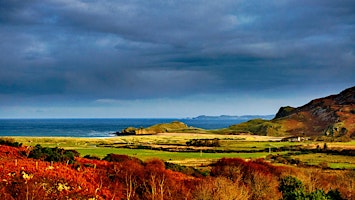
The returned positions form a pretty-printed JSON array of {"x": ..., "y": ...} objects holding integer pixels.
[
  {"x": 155, "y": 180},
  {"x": 292, "y": 188},
  {"x": 220, "y": 188},
  {"x": 318, "y": 195}
]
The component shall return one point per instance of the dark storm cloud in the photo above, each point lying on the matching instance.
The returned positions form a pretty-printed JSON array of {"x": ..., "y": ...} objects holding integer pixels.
[{"x": 153, "y": 49}]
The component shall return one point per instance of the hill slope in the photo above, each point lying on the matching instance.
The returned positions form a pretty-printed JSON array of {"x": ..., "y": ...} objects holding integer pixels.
[
  {"x": 333, "y": 115},
  {"x": 174, "y": 126}
]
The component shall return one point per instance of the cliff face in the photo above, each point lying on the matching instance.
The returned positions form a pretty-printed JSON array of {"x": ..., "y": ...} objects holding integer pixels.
[{"x": 333, "y": 115}]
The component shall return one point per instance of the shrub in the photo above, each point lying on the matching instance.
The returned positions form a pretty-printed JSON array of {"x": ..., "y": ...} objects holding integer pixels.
[
  {"x": 292, "y": 188},
  {"x": 204, "y": 142},
  {"x": 53, "y": 154},
  {"x": 184, "y": 169},
  {"x": 91, "y": 157},
  {"x": 9, "y": 142},
  {"x": 256, "y": 175},
  {"x": 334, "y": 195},
  {"x": 120, "y": 158},
  {"x": 317, "y": 195},
  {"x": 220, "y": 188},
  {"x": 321, "y": 195}
]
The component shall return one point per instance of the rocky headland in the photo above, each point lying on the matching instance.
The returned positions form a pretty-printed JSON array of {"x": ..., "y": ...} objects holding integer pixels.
[{"x": 332, "y": 116}]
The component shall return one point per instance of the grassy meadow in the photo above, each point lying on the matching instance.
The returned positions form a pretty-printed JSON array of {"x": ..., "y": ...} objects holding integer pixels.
[
  {"x": 231, "y": 146},
  {"x": 333, "y": 161}
]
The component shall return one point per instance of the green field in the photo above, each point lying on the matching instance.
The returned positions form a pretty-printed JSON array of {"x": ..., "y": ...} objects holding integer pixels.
[
  {"x": 249, "y": 147},
  {"x": 333, "y": 161},
  {"x": 196, "y": 158}
]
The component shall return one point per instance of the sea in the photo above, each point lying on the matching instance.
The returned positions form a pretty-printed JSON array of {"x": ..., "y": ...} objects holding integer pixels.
[{"x": 95, "y": 127}]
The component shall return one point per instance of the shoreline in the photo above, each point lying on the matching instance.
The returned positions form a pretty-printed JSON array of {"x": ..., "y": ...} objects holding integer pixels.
[{"x": 59, "y": 137}]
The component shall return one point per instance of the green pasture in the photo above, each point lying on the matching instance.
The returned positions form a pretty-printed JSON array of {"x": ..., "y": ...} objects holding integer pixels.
[
  {"x": 95, "y": 147},
  {"x": 236, "y": 143},
  {"x": 253, "y": 145},
  {"x": 333, "y": 161},
  {"x": 185, "y": 158},
  {"x": 145, "y": 154}
]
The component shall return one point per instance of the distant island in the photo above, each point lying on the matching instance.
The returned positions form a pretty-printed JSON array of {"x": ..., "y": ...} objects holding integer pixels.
[{"x": 233, "y": 117}]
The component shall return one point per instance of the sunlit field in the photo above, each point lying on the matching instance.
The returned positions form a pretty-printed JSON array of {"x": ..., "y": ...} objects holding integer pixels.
[{"x": 162, "y": 146}]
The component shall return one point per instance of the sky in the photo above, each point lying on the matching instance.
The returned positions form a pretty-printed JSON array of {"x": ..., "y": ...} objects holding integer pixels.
[{"x": 171, "y": 58}]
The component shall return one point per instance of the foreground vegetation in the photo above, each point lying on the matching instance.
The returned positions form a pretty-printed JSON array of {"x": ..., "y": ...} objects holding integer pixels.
[{"x": 175, "y": 166}]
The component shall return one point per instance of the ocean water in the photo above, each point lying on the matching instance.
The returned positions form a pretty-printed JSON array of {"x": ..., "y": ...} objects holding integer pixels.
[{"x": 93, "y": 127}]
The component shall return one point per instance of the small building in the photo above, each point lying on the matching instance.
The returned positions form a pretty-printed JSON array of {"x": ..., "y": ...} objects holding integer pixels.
[{"x": 294, "y": 139}]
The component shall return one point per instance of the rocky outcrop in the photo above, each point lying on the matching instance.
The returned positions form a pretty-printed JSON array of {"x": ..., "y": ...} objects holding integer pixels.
[
  {"x": 284, "y": 111},
  {"x": 333, "y": 115},
  {"x": 136, "y": 131},
  {"x": 174, "y": 126}
]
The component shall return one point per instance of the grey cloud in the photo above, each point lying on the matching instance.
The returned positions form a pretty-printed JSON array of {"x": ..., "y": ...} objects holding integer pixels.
[{"x": 153, "y": 49}]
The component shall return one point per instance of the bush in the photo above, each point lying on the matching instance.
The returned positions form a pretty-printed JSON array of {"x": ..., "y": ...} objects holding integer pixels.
[
  {"x": 321, "y": 195},
  {"x": 334, "y": 195},
  {"x": 184, "y": 169},
  {"x": 317, "y": 195},
  {"x": 9, "y": 142},
  {"x": 293, "y": 189},
  {"x": 53, "y": 154},
  {"x": 120, "y": 158},
  {"x": 204, "y": 142},
  {"x": 92, "y": 157}
]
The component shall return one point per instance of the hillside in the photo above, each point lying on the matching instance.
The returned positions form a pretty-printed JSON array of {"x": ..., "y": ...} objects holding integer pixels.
[
  {"x": 174, "y": 126},
  {"x": 333, "y": 116}
]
